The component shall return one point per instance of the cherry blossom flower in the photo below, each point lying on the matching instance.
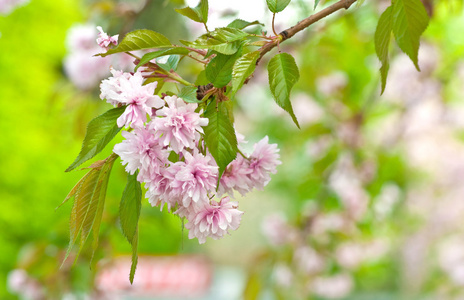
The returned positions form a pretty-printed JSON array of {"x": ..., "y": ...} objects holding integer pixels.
[
  {"x": 159, "y": 191},
  {"x": 236, "y": 177},
  {"x": 180, "y": 126},
  {"x": 104, "y": 40},
  {"x": 195, "y": 177},
  {"x": 141, "y": 150},
  {"x": 129, "y": 90},
  {"x": 263, "y": 161},
  {"x": 214, "y": 220},
  {"x": 7, "y": 6}
]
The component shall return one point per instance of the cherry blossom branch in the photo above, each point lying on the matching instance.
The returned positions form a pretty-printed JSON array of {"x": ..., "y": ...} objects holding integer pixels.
[{"x": 288, "y": 33}]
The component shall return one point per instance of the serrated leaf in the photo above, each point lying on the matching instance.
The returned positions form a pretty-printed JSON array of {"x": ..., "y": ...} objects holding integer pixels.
[
  {"x": 242, "y": 24},
  {"x": 190, "y": 13},
  {"x": 410, "y": 20},
  {"x": 170, "y": 64},
  {"x": 198, "y": 14},
  {"x": 135, "y": 258},
  {"x": 243, "y": 68},
  {"x": 139, "y": 40},
  {"x": 214, "y": 45},
  {"x": 152, "y": 55},
  {"x": 189, "y": 94},
  {"x": 276, "y": 6},
  {"x": 219, "y": 69},
  {"x": 74, "y": 190},
  {"x": 225, "y": 34},
  {"x": 129, "y": 208},
  {"x": 283, "y": 74},
  {"x": 88, "y": 205},
  {"x": 382, "y": 43},
  {"x": 220, "y": 135},
  {"x": 202, "y": 9},
  {"x": 100, "y": 131}
]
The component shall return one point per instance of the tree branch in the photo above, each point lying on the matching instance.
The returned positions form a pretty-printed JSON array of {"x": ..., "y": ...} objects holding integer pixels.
[{"x": 288, "y": 33}]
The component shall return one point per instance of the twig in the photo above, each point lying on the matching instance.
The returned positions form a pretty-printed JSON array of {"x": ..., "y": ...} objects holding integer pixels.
[{"x": 288, "y": 33}]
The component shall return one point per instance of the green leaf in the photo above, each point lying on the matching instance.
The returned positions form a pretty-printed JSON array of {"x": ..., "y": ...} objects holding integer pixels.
[
  {"x": 220, "y": 135},
  {"x": 100, "y": 132},
  {"x": 225, "y": 34},
  {"x": 135, "y": 258},
  {"x": 410, "y": 20},
  {"x": 243, "y": 68},
  {"x": 382, "y": 43},
  {"x": 152, "y": 55},
  {"x": 189, "y": 94},
  {"x": 198, "y": 14},
  {"x": 219, "y": 69},
  {"x": 191, "y": 14},
  {"x": 316, "y": 2},
  {"x": 242, "y": 24},
  {"x": 223, "y": 40},
  {"x": 170, "y": 64},
  {"x": 201, "y": 79},
  {"x": 138, "y": 40},
  {"x": 129, "y": 214},
  {"x": 276, "y": 6},
  {"x": 202, "y": 9},
  {"x": 283, "y": 74},
  {"x": 129, "y": 208},
  {"x": 215, "y": 45}
]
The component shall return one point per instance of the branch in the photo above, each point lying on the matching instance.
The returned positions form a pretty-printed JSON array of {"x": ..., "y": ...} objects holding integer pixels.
[{"x": 288, "y": 33}]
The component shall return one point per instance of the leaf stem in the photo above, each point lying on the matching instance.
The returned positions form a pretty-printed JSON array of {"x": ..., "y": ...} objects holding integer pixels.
[{"x": 273, "y": 28}]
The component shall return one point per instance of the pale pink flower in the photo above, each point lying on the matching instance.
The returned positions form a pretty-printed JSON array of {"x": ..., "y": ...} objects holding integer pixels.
[
  {"x": 129, "y": 90},
  {"x": 263, "y": 161},
  {"x": 85, "y": 70},
  {"x": 235, "y": 177},
  {"x": 180, "y": 126},
  {"x": 276, "y": 229},
  {"x": 7, "y": 6},
  {"x": 141, "y": 150},
  {"x": 104, "y": 40},
  {"x": 195, "y": 178},
  {"x": 214, "y": 220},
  {"x": 159, "y": 191},
  {"x": 81, "y": 37}
]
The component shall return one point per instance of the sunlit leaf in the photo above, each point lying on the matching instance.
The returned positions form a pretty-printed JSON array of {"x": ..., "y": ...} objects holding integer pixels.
[
  {"x": 382, "y": 43},
  {"x": 139, "y": 40},
  {"x": 189, "y": 94},
  {"x": 242, "y": 24},
  {"x": 276, "y": 6},
  {"x": 100, "y": 132},
  {"x": 163, "y": 52},
  {"x": 220, "y": 135},
  {"x": 283, "y": 74},
  {"x": 219, "y": 69},
  {"x": 410, "y": 19},
  {"x": 243, "y": 68}
]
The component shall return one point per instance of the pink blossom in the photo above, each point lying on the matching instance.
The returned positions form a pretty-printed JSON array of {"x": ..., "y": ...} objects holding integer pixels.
[
  {"x": 263, "y": 161},
  {"x": 180, "y": 126},
  {"x": 195, "y": 177},
  {"x": 84, "y": 69},
  {"x": 81, "y": 37},
  {"x": 214, "y": 220},
  {"x": 141, "y": 150},
  {"x": 129, "y": 90},
  {"x": 159, "y": 191},
  {"x": 104, "y": 40},
  {"x": 236, "y": 177},
  {"x": 7, "y": 6}
]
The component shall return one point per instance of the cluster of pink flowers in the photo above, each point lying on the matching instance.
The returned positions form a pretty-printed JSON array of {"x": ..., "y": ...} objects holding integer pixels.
[{"x": 163, "y": 146}]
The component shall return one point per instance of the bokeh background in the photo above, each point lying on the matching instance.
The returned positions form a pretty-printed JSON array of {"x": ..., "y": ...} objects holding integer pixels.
[{"x": 367, "y": 204}]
